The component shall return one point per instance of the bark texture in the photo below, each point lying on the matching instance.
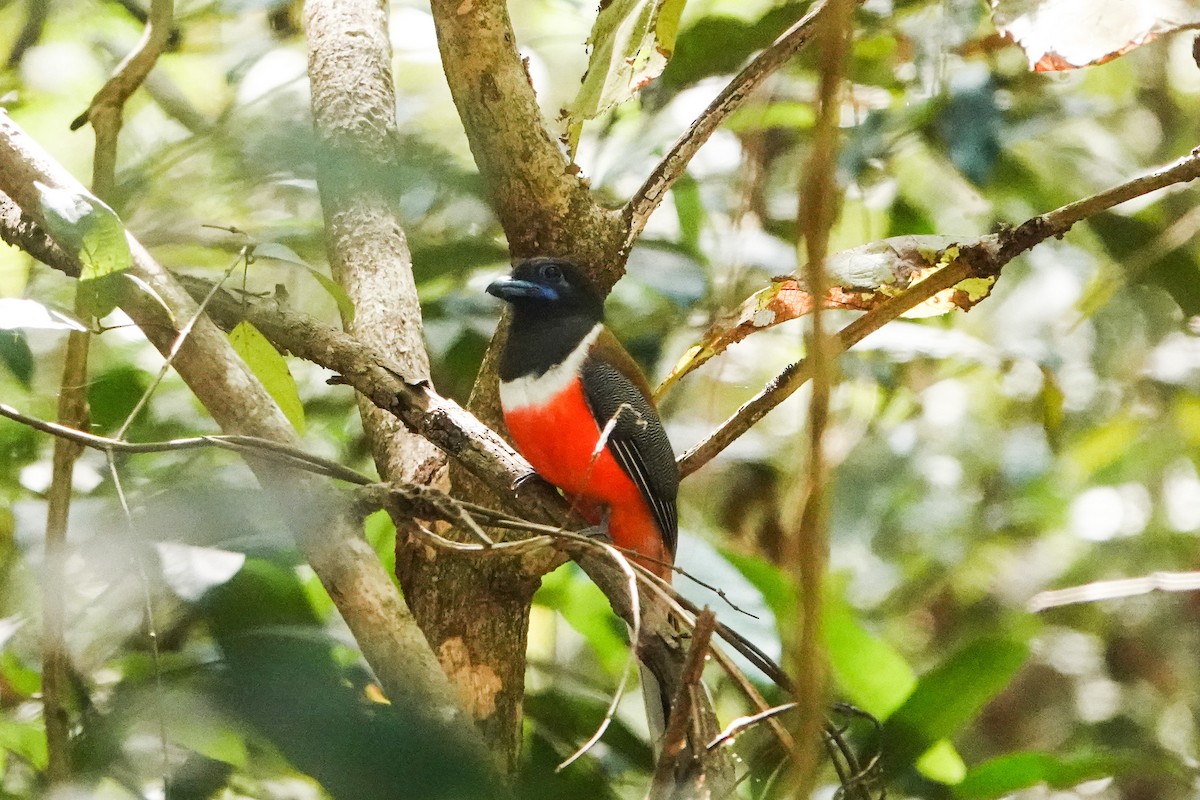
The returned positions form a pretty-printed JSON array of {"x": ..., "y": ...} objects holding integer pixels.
[{"x": 474, "y": 612}]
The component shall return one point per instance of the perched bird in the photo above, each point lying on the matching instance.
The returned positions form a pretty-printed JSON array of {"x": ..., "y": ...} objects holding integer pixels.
[{"x": 579, "y": 410}]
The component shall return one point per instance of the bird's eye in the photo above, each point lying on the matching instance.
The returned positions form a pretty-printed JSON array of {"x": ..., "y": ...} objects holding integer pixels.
[{"x": 552, "y": 272}]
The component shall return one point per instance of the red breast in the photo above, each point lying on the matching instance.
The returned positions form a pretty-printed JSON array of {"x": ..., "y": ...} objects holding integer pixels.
[{"x": 579, "y": 411}]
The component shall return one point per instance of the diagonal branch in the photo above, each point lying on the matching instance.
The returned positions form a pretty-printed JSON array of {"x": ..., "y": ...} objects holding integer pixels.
[
  {"x": 984, "y": 257},
  {"x": 652, "y": 192},
  {"x": 323, "y": 523}
]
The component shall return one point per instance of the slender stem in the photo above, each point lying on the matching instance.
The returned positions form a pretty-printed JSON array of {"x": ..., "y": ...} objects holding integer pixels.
[
  {"x": 675, "y": 738},
  {"x": 72, "y": 411}
]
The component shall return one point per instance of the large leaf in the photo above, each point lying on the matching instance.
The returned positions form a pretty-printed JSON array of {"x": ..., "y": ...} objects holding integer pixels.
[
  {"x": 89, "y": 228},
  {"x": 631, "y": 42},
  {"x": 1009, "y": 773},
  {"x": 949, "y": 696},
  {"x": 1065, "y": 34},
  {"x": 269, "y": 367}
]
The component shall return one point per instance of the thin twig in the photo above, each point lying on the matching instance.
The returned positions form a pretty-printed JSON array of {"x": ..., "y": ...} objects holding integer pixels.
[
  {"x": 744, "y": 723},
  {"x": 184, "y": 332},
  {"x": 130, "y": 73},
  {"x": 635, "y": 635},
  {"x": 675, "y": 737},
  {"x": 652, "y": 192},
  {"x": 983, "y": 257},
  {"x": 139, "y": 558},
  {"x": 1116, "y": 589},
  {"x": 817, "y": 211},
  {"x": 242, "y": 444}
]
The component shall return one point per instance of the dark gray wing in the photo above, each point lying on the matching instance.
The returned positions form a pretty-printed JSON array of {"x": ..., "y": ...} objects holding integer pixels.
[{"x": 637, "y": 441}]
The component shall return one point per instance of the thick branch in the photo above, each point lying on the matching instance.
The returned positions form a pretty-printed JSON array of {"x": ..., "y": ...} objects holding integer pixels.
[
  {"x": 542, "y": 203},
  {"x": 323, "y": 523},
  {"x": 984, "y": 257},
  {"x": 652, "y": 192}
]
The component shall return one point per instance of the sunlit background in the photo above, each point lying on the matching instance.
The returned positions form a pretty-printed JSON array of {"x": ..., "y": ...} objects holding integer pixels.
[{"x": 1048, "y": 438}]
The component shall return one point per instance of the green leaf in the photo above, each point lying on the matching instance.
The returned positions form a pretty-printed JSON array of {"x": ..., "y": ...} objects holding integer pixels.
[
  {"x": 1015, "y": 771},
  {"x": 583, "y": 606},
  {"x": 87, "y": 226},
  {"x": 17, "y": 357},
  {"x": 631, "y": 42},
  {"x": 269, "y": 367},
  {"x": 949, "y": 696}
]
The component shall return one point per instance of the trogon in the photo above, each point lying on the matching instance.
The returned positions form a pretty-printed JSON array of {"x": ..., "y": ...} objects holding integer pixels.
[{"x": 579, "y": 410}]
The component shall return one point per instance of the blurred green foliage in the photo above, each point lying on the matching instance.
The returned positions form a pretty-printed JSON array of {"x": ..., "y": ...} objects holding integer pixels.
[{"x": 1049, "y": 438}]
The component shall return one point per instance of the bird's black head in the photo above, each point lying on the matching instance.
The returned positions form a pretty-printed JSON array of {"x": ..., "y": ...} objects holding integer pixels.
[{"x": 549, "y": 286}]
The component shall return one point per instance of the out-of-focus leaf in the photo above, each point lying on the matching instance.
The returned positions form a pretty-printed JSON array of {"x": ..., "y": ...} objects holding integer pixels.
[
  {"x": 1066, "y": 34},
  {"x": 778, "y": 589},
  {"x": 585, "y": 609},
  {"x": 16, "y": 356},
  {"x": 85, "y": 225},
  {"x": 949, "y": 696},
  {"x": 192, "y": 571},
  {"x": 877, "y": 679},
  {"x": 689, "y": 210},
  {"x": 25, "y": 739},
  {"x": 571, "y": 719},
  {"x": 1146, "y": 255},
  {"x": 631, "y": 42},
  {"x": 269, "y": 367},
  {"x": 862, "y": 277},
  {"x": 1103, "y": 445},
  {"x": 281, "y": 675},
  {"x": 872, "y": 674},
  {"x": 969, "y": 121},
  {"x": 539, "y": 776},
  {"x": 17, "y": 313},
  {"x": 772, "y": 115},
  {"x": 113, "y": 395},
  {"x": 1015, "y": 771},
  {"x": 718, "y": 44}
]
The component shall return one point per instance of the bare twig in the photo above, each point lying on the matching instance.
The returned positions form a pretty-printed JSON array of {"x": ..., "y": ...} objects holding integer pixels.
[
  {"x": 1116, "y": 589},
  {"x": 820, "y": 201},
  {"x": 36, "y": 14},
  {"x": 321, "y": 520},
  {"x": 983, "y": 257},
  {"x": 734, "y": 728},
  {"x": 652, "y": 192},
  {"x": 128, "y": 75},
  {"x": 675, "y": 739}
]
